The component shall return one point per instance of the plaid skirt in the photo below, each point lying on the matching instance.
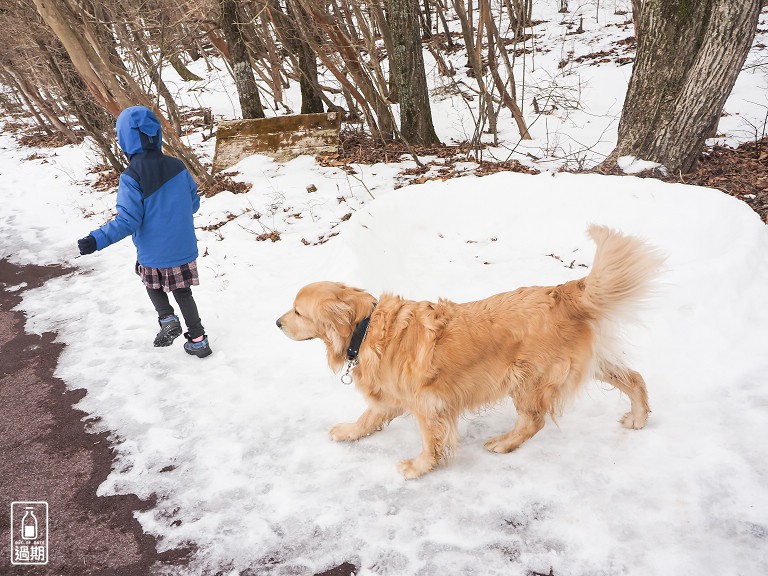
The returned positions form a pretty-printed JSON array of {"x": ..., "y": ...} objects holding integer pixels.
[{"x": 169, "y": 279}]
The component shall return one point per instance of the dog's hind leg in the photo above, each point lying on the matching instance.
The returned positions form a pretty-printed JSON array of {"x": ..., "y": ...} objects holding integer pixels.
[
  {"x": 633, "y": 385},
  {"x": 370, "y": 421},
  {"x": 534, "y": 395},
  {"x": 439, "y": 436},
  {"x": 526, "y": 426}
]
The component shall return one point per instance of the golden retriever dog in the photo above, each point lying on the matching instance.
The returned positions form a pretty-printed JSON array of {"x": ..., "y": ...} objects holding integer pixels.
[{"x": 437, "y": 360}]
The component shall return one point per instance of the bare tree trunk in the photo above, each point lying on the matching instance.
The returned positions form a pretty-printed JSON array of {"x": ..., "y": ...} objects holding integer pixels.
[
  {"x": 157, "y": 35},
  {"x": 380, "y": 20},
  {"x": 519, "y": 13},
  {"x": 374, "y": 60},
  {"x": 219, "y": 42},
  {"x": 408, "y": 67},
  {"x": 352, "y": 95},
  {"x": 363, "y": 90},
  {"x": 31, "y": 106},
  {"x": 311, "y": 93},
  {"x": 94, "y": 119},
  {"x": 30, "y": 92},
  {"x": 274, "y": 63},
  {"x": 134, "y": 39},
  {"x": 109, "y": 84},
  {"x": 94, "y": 70},
  {"x": 184, "y": 72},
  {"x": 637, "y": 8},
  {"x": 688, "y": 57},
  {"x": 247, "y": 89},
  {"x": 440, "y": 9},
  {"x": 508, "y": 97},
  {"x": 311, "y": 101},
  {"x": 474, "y": 44}
]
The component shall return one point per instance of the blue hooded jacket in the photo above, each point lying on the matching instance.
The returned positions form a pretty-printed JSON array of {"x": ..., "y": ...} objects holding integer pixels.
[{"x": 156, "y": 196}]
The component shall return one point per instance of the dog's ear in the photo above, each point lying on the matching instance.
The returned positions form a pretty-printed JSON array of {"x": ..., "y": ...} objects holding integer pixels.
[
  {"x": 337, "y": 326},
  {"x": 347, "y": 305},
  {"x": 353, "y": 304},
  {"x": 341, "y": 315}
]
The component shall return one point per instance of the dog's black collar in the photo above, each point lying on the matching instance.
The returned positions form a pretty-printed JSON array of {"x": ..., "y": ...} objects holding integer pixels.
[{"x": 361, "y": 329}]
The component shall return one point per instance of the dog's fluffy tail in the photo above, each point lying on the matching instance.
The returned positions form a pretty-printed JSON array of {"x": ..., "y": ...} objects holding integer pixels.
[{"x": 622, "y": 273}]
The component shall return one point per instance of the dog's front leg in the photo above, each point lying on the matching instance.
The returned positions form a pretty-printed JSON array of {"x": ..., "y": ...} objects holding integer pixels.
[
  {"x": 372, "y": 420},
  {"x": 439, "y": 437}
]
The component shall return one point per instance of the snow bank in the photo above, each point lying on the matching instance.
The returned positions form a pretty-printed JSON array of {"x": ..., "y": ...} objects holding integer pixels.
[{"x": 236, "y": 446}]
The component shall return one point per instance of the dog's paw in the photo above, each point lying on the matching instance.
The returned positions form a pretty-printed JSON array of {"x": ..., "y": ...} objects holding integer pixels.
[
  {"x": 414, "y": 468},
  {"x": 502, "y": 444},
  {"x": 345, "y": 432},
  {"x": 634, "y": 422}
]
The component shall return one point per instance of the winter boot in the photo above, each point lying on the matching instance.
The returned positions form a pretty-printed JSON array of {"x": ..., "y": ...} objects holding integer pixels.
[
  {"x": 200, "y": 349},
  {"x": 170, "y": 329}
]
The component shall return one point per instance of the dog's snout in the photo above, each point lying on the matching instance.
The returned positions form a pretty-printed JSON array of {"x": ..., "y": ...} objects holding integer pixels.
[{"x": 279, "y": 324}]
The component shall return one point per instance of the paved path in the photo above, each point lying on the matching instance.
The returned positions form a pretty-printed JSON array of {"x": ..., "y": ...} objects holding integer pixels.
[{"x": 46, "y": 455}]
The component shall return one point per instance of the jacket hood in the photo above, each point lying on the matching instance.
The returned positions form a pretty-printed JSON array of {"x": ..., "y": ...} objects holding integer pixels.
[{"x": 138, "y": 130}]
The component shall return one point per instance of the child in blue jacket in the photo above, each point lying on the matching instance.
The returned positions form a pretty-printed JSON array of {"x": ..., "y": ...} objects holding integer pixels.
[{"x": 156, "y": 198}]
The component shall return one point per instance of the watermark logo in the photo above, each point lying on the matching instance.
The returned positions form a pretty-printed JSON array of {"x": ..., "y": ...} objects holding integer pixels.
[{"x": 29, "y": 533}]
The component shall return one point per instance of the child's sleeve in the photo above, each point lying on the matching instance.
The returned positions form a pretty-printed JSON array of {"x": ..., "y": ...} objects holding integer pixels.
[
  {"x": 130, "y": 213},
  {"x": 193, "y": 190}
]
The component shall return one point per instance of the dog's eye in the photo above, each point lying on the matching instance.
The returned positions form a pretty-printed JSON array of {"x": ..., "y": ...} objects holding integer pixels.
[{"x": 297, "y": 313}]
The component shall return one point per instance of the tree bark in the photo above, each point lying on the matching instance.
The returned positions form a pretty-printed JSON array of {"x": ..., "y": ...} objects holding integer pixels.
[
  {"x": 380, "y": 22},
  {"x": 688, "y": 57},
  {"x": 31, "y": 107},
  {"x": 31, "y": 93},
  {"x": 110, "y": 85},
  {"x": 441, "y": 10},
  {"x": 94, "y": 119},
  {"x": 473, "y": 40},
  {"x": 275, "y": 67},
  {"x": 408, "y": 67},
  {"x": 185, "y": 73},
  {"x": 311, "y": 99},
  {"x": 132, "y": 37},
  {"x": 219, "y": 43},
  {"x": 367, "y": 39},
  {"x": 508, "y": 97},
  {"x": 247, "y": 89},
  {"x": 637, "y": 7},
  {"x": 361, "y": 86}
]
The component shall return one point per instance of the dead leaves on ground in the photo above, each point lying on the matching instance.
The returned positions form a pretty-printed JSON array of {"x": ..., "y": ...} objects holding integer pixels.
[
  {"x": 222, "y": 182},
  {"x": 740, "y": 172},
  {"x": 444, "y": 162}
]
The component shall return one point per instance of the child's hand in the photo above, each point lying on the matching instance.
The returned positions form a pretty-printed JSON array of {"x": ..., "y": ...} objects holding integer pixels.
[{"x": 87, "y": 245}]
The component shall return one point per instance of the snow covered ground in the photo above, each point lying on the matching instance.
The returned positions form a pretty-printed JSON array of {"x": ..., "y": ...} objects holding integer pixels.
[{"x": 236, "y": 447}]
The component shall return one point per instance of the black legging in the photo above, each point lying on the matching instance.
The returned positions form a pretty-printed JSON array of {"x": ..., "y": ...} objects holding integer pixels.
[{"x": 186, "y": 304}]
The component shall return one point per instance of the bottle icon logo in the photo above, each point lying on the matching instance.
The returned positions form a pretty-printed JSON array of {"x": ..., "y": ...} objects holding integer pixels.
[
  {"x": 29, "y": 533},
  {"x": 29, "y": 524}
]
